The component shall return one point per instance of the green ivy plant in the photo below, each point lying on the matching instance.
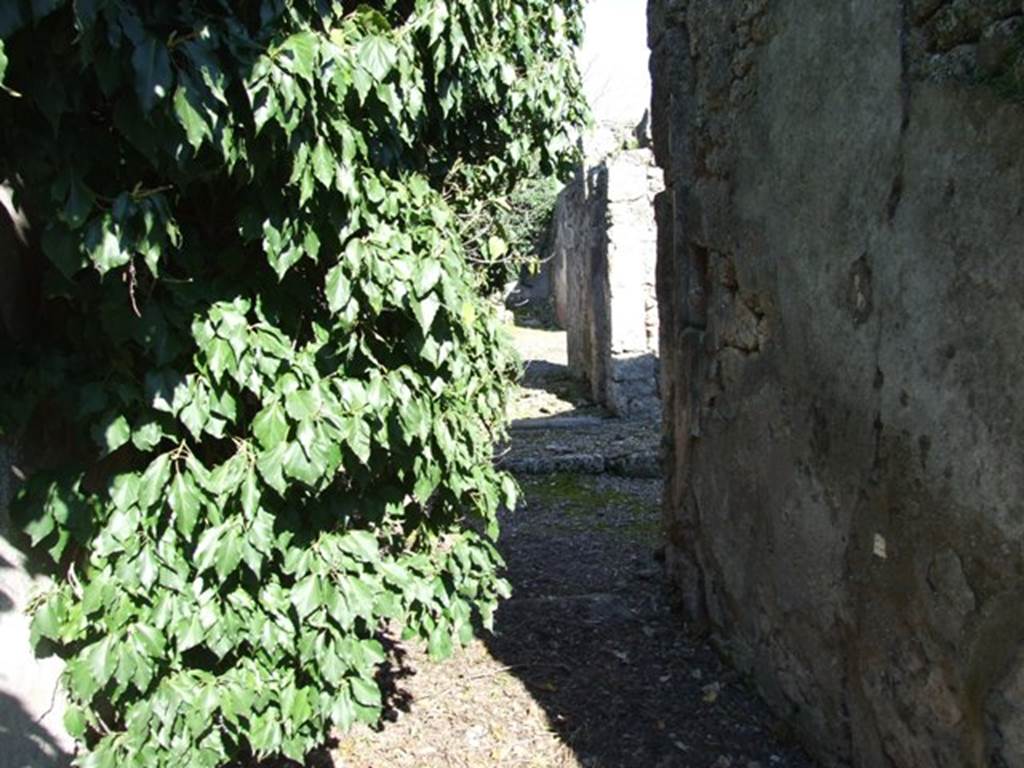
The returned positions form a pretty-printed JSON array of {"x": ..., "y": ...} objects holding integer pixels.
[
  {"x": 260, "y": 334},
  {"x": 506, "y": 233}
]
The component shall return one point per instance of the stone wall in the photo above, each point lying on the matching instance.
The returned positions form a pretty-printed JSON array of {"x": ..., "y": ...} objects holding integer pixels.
[
  {"x": 603, "y": 273},
  {"x": 840, "y": 280}
]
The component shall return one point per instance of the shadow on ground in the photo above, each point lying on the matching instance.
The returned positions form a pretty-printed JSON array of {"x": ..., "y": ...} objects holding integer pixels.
[
  {"x": 23, "y": 742},
  {"x": 591, "y": 633},
  {"x": 547, "y": 387},
  {"x": 30, "y": 709}
]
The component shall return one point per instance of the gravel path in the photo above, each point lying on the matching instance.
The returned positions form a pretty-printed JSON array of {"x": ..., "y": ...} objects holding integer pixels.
[{"x": 589, "y": 666}]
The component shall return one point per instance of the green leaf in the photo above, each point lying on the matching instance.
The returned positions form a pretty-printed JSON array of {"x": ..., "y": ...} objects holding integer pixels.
[
  {"x": 439, "y": 645},
  {"x": 40, "y": 527},
  {"x": 301, "y": 49},
  {"x": 186, "y": 108},
  {"x": 426, "y": 310},
  {"x": 303, "y": 404},
  {"x": 186, "y": 502},
  {"x": 74, "y": 717},
  {"x": 125, "y": 491},
  {"x": 62, "y": 248},
  {"x": 306, "y": 595},
  {"x": 101, "y": 660},
  {"x": 104, "y": 245},
  {"x": 271, "y": 466},
  {"x": 299, "y": 467},
  {"x": 148, "y": 567},
  {"x": 365, "y": 692},
  {"x": 270, "y": 426},
  {"x": 323, "y": 163},
  {"x": 343, "y": 714},
  {"x": 339, "y": 289},
  {"x": 229, "y": 553},
  {"x": 362, "y": 544},
  {"x": 427, "y": 276},
  {"x": 147, "y": 436},
  {"x": 46, "y": 622},
  {"x": 250, "y": 494},
  {"x": 153, "y": 484},
  {"x": 207, "y": 549},
  {"x": 3, "y": 63},
  {"x": 113, "y": 433},
  {"x": 153, "y": 76},
  {"x": 496, "y": 247},
  {"x": 150, "y": 639},
  {"x": 221, "y": 358},
  {"x": 377, "y": 54}
]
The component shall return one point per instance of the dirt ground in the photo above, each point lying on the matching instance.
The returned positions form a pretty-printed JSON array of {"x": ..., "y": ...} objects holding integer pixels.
[{"x": 589, "y": 666}]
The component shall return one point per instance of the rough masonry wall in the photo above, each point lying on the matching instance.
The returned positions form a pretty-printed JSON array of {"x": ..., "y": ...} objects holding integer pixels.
[
  {"x": 604, "y": 254},
  {"x": 840, "y": 279}
]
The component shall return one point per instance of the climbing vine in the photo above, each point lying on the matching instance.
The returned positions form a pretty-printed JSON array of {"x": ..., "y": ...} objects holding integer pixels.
[{"x": 257, "y": 326}]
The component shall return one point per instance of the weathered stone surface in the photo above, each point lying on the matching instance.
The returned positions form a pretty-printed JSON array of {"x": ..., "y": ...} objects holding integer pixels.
[
  {"x": 839, "y": 278},
  {"x": 604, "y": 257}
]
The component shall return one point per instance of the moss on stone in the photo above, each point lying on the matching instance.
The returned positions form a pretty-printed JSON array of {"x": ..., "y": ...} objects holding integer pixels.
[{"x": 575, "y": 502}]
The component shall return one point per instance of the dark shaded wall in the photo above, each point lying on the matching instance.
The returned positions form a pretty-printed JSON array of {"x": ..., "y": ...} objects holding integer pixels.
[{"x": 841, "y": 285}]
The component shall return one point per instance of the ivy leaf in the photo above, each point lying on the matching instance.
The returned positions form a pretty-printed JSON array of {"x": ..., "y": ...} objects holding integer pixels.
[
  {"x": 229, "y": 554},
  {"x": 270, "y": 426},
  {"x": 439, "y": 645},
  {"x": 303, "y": 404},
  {"x": 339, "y": 289},
  {"x": 186, "y": 107},
  {"x": 306, "y": 595},
  {"x": 343, "y": 714},
  {"x": 271, "y": 467},
  {"x": 61, "y": 247},
  {"x": 323, "y": 163},
  {"x": 299, "y": 467},
  {"x": 362, "y": 544},
  {"x": 40, "y": 527},
  {"x": 46, "y": 621},
  {"x": 148, "y": 567},
  {"x": 426, "y": 310},
  {"x": 427, "y": 276},
  {"x": 75, "y": 722},
  {"x": 497, "y": 247},
  {"x": 365, "y": 692},
  {"x": 186, "y": 502},
  {"x": 105, "y": 251},
  {"x": 250, "y": 494},
  {"x": 208, "y": 547},
  {"x": 153, "y": 483},
  {"x": 167, "y": 391},
  {"x": 153, "y": 75},
  {"x": 301, "y": 49},
  {"x": 113, "y": 433},
  {"x": 377, "y": 54},
  {"x": 100, "y": 660},
  {"x": 147, "y": 436},
  {"x": 221, "y": 358}
]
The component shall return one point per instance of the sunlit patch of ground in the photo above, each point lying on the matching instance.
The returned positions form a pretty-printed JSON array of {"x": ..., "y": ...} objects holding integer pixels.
[
  {"x": 547, "y": 388},
  {"x": 469, "y": 712}
]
